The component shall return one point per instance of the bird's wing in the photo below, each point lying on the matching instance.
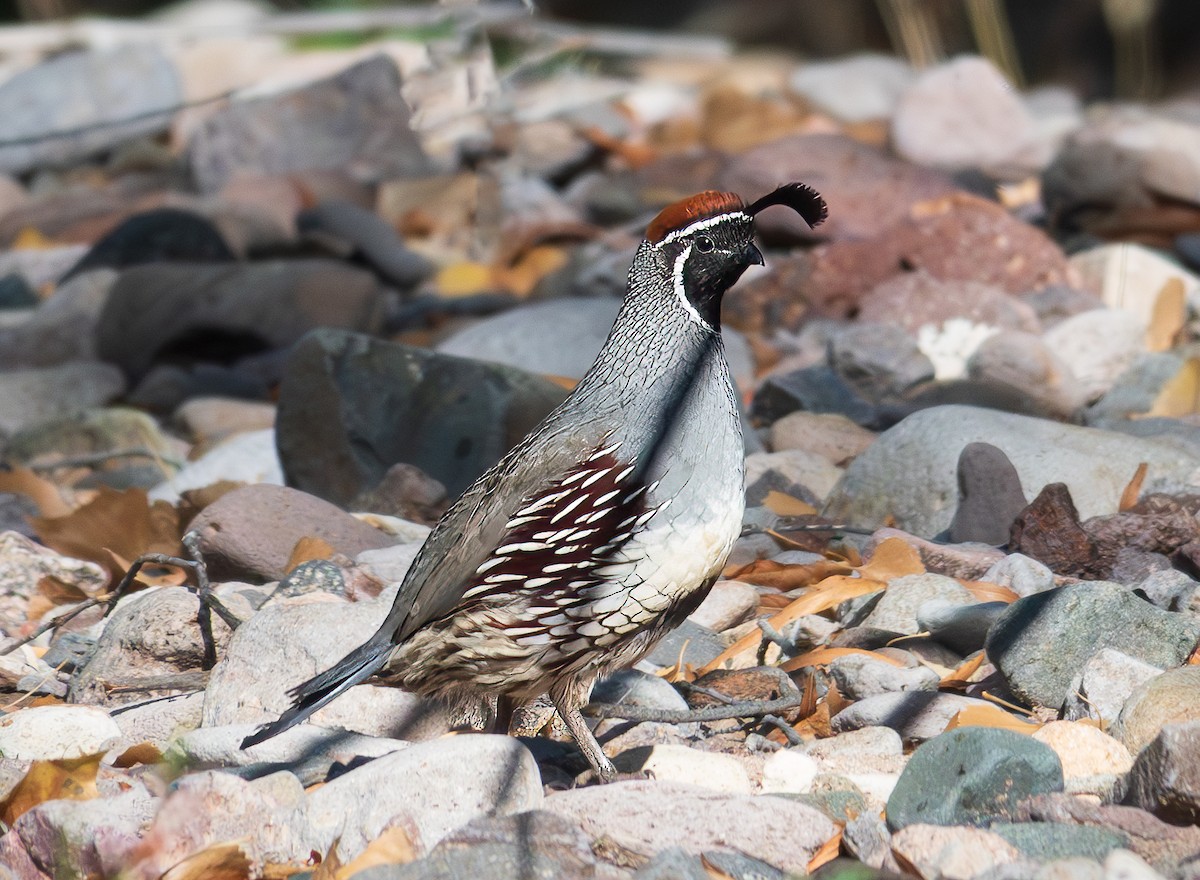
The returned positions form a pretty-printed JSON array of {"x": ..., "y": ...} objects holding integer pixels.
[{"x": 476, "y": 526}]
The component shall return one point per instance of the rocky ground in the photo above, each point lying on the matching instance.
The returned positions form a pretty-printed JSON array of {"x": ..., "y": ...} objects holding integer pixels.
[{"x": 278, "y": 297}]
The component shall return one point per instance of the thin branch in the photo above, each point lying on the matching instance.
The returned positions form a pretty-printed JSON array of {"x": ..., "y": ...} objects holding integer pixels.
[
  {"x": 772, "y": 636},
  {"x": 733, "y": 709},
  {"x": 50, "y": 624},
  {"x": 789, "y": 732}
]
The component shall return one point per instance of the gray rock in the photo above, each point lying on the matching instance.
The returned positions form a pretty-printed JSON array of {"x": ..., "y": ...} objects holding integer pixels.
[
  {"x": 853, "y": 752},
  {"x": 354, "y": 119},
  {"x": 1041, "y": 641},
  {"x": 858, "y": 88},
  {"x": 159, "y": 721},
  {"x": 1165, "y": 779},
  {"x": 15, "y": 511},
  {"x": 362, "y": 233},
  {"x": 250, "y": 307},
  {"x": 881, "y": 360},
  {"x": 285, "y": 644},
  {"x": 439, "y": 785},
  {"x": 92, "y": 432},
  {"x": 1025, "y": 361},
  {"x": 250, "y": 533},
  {"x": 866, "y": 837},
  {"x": 859, "y": 676},
  {"x": 151, "y": 634},
  {"x": 243, "y": 458},
  {"x": 1097, "y": 367},
  {"x": 1169, "y": 698},
  {"x": 674, "y": 762},
  {"x": 562, "y": 337},
  {"x": 1104, "y": 684},
  {"x": 919, "y": 494},
  {"x": 35, "y": 395},
  {"x": 915, "y": 715},
  {"x": 673, "y": 864},
  {"x": 989, "y": 496},
  {"x": 972, "y": 776},
  {"x": 63, "y": 328},
  {"x": 102, "y": 97},
  {"x": 929, "y": 127},
  {"x": 1135, "y": 390},
  {"x": 900, "y": 603},
  {"x": 628, "y": 814},
  {"x": 1170, "y": 589},
  {"x": 689, "y": 643},
  {"x": 793, "y": 467},
  {"x": 351, "y": 406},
  {"x": 1022, "y": 575},
  {"x": 728, "y": 604},
  {"x": 1048, "y": 841},
  {"x": 629, "y": 687},
  {"x": 56, "y": 733},
  {"x": 85, "y": 838},
  {"x": 963, "y": 628}
]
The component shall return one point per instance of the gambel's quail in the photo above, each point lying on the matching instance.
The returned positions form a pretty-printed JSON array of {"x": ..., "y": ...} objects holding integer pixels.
[{"x": 607, "y": 525}]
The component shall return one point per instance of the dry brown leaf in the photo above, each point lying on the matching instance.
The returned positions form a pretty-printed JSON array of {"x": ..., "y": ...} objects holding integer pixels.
[
  {"x": 782, "y": 504},
  {"x": 768, "y": 573},
  {"x": 464, "y": 279},
  {"x": 985, "y": 591},
  {"x": 1194, "y": 660},
  {"x": 825, "y": 656},
  {"x": 827, "y": 594},
  {"x": 307, "y": 549},
  {"x": 392, "y": 847},
  {"x": 1180, "y": 395},
  {"x": 142, "y": 753},
  {"x": 30, "y": 238},
  {"x": 960, "y": 677},
  {"x": 892, "y": 558},
  {"x": 330, "y": 865},
  {"x": 222, "y": 861},
  {"x": 73, "y": 780},
  {"x": 827, "y": 852},
  {"x": 635, "y": 155},
  {"x": 51, "y": 592},
  {"x": 1133, "y": 489},
  {"x": 990, "y": 716},
  {"x": 115, "y": 523},
  {"x": 531, "y": 267},
  {"x": 43, "y": 493},
  {"x": 1167, "y": 316}
]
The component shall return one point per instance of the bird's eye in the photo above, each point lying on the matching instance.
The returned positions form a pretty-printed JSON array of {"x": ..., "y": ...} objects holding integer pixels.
[{"x": 704, "y": 244}]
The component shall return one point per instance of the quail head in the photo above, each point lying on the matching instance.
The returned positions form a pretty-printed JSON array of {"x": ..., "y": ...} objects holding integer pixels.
[{"x": 606, "y": 526}]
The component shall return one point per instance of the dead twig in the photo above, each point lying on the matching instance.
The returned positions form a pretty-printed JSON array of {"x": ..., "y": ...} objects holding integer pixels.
[
  {"x": 772, "y": 636},
  {"x": 732, "y": 709}
]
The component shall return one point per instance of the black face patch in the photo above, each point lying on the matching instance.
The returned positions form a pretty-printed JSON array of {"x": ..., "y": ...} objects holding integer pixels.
[{"x": 716, "y": 256}]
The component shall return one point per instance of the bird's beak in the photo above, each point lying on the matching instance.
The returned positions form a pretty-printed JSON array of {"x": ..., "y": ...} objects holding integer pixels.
[{"x": 754, "y": 256}]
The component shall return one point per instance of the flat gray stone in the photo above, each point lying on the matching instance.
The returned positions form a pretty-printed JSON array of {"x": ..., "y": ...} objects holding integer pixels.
[
  {"x": 38, "y": 394},
  {"x": 909, "y": 472},
  {"x": 915, "y": 715}
]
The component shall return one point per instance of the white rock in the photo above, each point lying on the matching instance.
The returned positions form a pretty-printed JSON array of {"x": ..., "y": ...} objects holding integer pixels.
[
  {"x": 37, "y": 395},
  {"x": 952, "y": 853},
  {"x": 244, "y": 458},
  {"x": 1129, "y": 276},
  {"x": 441, "y": 785},
  {"x": 711, "y": 770},
  {"x": 1121, "y": 864},
  {"x": 56, "y": 733},
  {"x": 159, "y": 721},
  {"x": 1098, "y": 346},
  {"x": 812, "y": 471},
  {"x": 789, "y": 771},
  {"x": 1091, "y": 759},
  {"x": 859, "y": 88}
]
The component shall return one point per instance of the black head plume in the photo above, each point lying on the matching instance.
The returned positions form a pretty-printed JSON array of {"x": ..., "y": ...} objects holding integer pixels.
[{"x": 804, "y": 200}]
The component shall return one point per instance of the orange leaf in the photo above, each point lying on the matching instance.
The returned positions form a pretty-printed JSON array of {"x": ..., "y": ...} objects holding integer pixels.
[
  {"x": 960, "y": 677},
  {"x": 142, "y": 753},
  {"x": 892, "y": 558},
  {"x": 990, "y": 716},
  {"x": 533, "y": 265},
  {"x": 768, "y": 573},
  {"x": 829, "y": 593},
  {"x": 222, "y": 861},
  {"x": 464, "y": 279},
  {"x": 307, "y": 549},
  {"x": 825, "y": 656},
  {"x": 43, "y": 493},
  {"x": 1168, "y": 315},
  {"x": 988, "y": 592},
  {"x": 783, "y": 504},
  {"x": 1180, "y": 395},
  {"x": 828, "y": 851},
  {"x": 392, "y": 847},
  {"x": 1133, "y": 490},
  {"x": 73, "y": 780}
]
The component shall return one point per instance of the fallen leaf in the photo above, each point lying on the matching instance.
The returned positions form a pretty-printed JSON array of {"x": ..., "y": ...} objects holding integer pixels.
[
  {"x": 1181, "y": 393},
  {"x": 330, "y": 865},
  {"x": 464, "y": 279},
  {"x": 892, "y": 558},
  {"x": 307, "y": 549},
  {"x": 825, "y": 656},
  {"x": 985, "y": 591},
  {"x": 829, "y": 593},
  {"x": 768, "y": 573},
  {"x": 960, "y": 677},
  {"x": 782, "y": 504},
  {"x": 222, "y": 861},
  {"x": 1133, "y": 489},
  {"x": 990, "y": 716},
  {"x": 393, "y": 847},
  {"x": 635, "y": 155},
  {"x": 73, "y": 780},
  {"x": 30, "y": 238},
  {"x": 143, "y": 753},
  {"x": 115, "y": 523},
  {"x": 43, "y": 493},
  {"x": 51, "y": 592},
  {"x": 533, "y": 265},
  {"x": 827, "y": 852},
  {"x": 1167, "y": 316}
]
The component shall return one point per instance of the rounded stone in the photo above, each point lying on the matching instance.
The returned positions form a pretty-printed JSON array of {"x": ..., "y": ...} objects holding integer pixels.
[
  {"x": 1170, "y": 698},
  {"x": 56, "y": 733},
  {"x": 971, "y": 776}
]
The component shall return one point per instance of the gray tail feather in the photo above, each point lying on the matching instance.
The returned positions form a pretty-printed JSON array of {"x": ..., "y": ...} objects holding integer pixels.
[{"x": 355, "y": 668}]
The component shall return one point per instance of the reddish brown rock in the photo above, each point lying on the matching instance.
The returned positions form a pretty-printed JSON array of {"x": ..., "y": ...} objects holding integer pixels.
[
  {"x": 916, "y": 298},
  {"x": 1049, "y": 531},
  {"x": 249, "y": 533},
  {"x": 867, "y": 190}
]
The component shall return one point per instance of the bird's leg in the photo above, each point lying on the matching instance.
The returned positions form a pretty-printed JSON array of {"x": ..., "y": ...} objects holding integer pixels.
[
  {"x": 586, "y": 741},
  {"x": 503, "y": 716}
]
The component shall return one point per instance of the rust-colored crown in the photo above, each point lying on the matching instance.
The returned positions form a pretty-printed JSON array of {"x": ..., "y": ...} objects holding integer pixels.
[{"x": 686, "y": 212}]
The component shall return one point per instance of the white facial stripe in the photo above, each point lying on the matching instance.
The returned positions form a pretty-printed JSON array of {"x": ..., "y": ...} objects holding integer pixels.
[
  {"x": 701, "y": 224},
  {"x": 677, "y": 275}
]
